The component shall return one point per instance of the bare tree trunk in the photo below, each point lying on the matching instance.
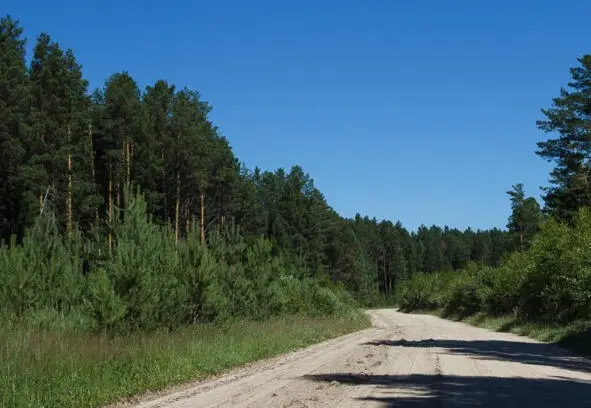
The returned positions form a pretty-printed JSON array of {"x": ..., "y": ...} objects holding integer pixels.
[
  {"x": 110, "y": 215},
  {"x": 164, "y": 190},
  {"x": 178, "y": 203},
  {"x": 42, "y": 200},
  {"x": 128, "y": 161},
  {"x": 69, "y": 199},
  {"x": 96, "y": 214},
  {"x": 385, "y": 276},
  {"x": 202, "y": 197},
  {"x": 187, "y": 217},
  {"x": 389, "y": 277}
]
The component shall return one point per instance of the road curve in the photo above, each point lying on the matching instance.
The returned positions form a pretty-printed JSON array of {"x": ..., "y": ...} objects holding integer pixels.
[{"x": 403, "y": 361}]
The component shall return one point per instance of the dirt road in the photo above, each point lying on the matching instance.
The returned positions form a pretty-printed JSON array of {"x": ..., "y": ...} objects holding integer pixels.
[{"x": 404, "y": 361}]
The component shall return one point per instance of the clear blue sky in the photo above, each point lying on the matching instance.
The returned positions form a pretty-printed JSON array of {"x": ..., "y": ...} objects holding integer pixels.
[{"x": 418, "y": 111}]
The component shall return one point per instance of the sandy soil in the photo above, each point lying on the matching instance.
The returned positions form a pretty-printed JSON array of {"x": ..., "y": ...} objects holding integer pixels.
[{"x": 403, "y": 361}]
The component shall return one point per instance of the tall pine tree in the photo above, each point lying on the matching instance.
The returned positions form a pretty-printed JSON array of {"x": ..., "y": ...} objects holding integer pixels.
[
  {"x": 570, "y": 118},
  {"x": 14, "y": 92},
  {"x": 58, "y": 163}
]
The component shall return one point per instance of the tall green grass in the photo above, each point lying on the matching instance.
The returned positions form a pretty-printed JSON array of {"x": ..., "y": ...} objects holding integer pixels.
[{"x": 61, "y": 369}]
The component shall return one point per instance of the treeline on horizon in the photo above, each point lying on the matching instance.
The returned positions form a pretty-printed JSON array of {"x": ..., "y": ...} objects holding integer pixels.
[{"x": 223, "y": 240}]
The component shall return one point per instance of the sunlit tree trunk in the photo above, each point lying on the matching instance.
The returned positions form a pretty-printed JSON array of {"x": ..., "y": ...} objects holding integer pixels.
[
  {"x": 69, "y": 197},
  {"x": 202, "y": 212},
  {"x": 177, "y": 206},
  {"x": 110, "y": 214},
  {"x": 92, "y": 169}
]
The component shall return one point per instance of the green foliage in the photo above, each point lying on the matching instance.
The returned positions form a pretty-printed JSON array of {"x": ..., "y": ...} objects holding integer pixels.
[
  {"x": 103, "y": 303},
  {"x": 501, "y": 293},
  {"x": 463, "y": 294},
  {"x": 550, "y": 282},
  {"x": 150, "y": 282},
  {"x": 526, "y": 217},
  {"x": 570, "y": 151},
  {"x": 45, "y": 272},
  {"x": 558, "y": 286},
  {"x": 423, "y": 291},
  {"x": 14, "y": 85}
]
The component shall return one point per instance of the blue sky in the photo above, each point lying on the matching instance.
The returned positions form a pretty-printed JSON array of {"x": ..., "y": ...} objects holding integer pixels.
[{"x": 419, "y": 111}]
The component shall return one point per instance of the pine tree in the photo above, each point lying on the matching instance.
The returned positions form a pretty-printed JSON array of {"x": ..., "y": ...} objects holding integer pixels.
[
  {"x": 118, "y": 128},
  {"x": 192, "y": 138},
  {"x": 249, "y": 212},
  {"x": 525, "y": 215},
  {"x": 59, "y": 158},
  {"x": 83, "y": 197},
  {"x": 14, "y": 92},
  {"x": 570, "y": 118},
  {"x": 224, "y": 182},
  {"x": 432, "y": 241},
  {"x": 156, "y": 152}
]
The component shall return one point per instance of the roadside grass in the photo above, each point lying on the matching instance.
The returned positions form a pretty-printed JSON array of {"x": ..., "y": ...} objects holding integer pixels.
[
  {"x": 574, "y": 336},
  {"x": 61, "y": 369}
]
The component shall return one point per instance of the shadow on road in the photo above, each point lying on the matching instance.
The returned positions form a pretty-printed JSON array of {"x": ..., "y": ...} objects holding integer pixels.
[
  {"x": 434, "y": 391},
  {"x": 511, "y": 351}
]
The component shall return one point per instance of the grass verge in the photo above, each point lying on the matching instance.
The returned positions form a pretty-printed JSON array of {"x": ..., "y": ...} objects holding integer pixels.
[
  {"x": 48, "y": 369},
  {"x": 574, "y": 336}
]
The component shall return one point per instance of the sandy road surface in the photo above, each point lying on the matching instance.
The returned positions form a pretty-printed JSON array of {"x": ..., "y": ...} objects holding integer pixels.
[{"x": 403, "y": 361}]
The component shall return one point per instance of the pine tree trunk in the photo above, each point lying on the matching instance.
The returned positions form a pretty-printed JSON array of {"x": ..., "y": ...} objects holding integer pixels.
[
  {"x": 164, "y": 190},
  {"x": 389, "y": 277},
  {"x": 91, "y": 151},
  {"x": 202, "y": 197},
  {"x": 385, "y": 276},
  {"x": 110, "y": 215},
  {"x": 92, "y": 169},
  {"x": 187, "y": 217},
  {"x": 178, "y": 203},
  {"x": 128, "y": 162},
  {"x": 69, "y": 199},
  {"x": 122, "y": 178}
]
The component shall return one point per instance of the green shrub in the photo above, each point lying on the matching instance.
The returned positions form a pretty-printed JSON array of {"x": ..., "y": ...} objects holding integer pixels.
[
  {"x": 424, "y": 291},
  {"x": 149, "y": 280},
  {"x": 463, "y": 295},
  {"x": 502, "y": 291},
  {"x": 558, "y": 286},
  {"x": 550, "y": 282}
]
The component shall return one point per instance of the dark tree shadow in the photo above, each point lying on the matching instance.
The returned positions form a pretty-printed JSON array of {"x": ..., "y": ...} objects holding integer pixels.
[
  {"x": 435, "y": 391},
  {"x": 513, "y": 351},
  {"x": 579, "y": 341}
]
